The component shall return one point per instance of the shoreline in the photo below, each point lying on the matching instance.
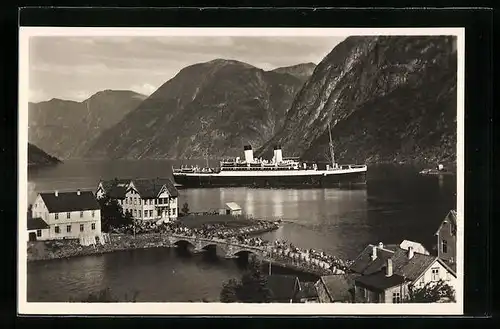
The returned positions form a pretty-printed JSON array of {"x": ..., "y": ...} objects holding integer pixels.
[{"x": 40, "y": 251}]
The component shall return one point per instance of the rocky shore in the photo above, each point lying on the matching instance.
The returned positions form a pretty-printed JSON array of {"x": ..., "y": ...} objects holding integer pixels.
[{"x": 61, "y": 249}]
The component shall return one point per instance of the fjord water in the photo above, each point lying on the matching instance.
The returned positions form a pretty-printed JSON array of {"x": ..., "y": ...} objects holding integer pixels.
[{"x": 397, "y": 203}]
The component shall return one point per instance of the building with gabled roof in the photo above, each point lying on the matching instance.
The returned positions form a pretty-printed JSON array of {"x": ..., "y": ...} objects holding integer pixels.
[
  {"x": 64, "y": 215},
  {"x": 148, "y": 199},
  {"x": 446, "y": 236},
  {"x": 335, "y": 288},
  {"x": 384, "y": 275},
  {"x": 284, "y": 288}
]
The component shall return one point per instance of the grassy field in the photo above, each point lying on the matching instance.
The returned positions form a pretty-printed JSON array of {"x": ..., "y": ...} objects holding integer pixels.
[{"x": 194, "y": 221}]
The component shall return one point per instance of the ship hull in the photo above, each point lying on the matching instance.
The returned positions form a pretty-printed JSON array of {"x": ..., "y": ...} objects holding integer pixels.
[{"x": 269, "y": 181}]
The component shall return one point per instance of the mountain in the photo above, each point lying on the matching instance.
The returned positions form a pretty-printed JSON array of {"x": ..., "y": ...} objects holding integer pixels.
[
  {"x": 66, "y": 128},
  {"x": 388, "y": 98},
  {"x": 208, "y": 109},
  {"x": 37, "y": 157},
  {"x": 302, "y": 71}
]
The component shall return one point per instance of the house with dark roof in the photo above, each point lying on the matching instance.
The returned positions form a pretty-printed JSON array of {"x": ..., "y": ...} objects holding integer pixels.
[
  {"x": 154, "y": 199},
  {"x": 284, "y": 288},
  {"x": 63, "y": 215},
  {"x": 385, "y": 275},
  {"x": 335, "y": 289},
  {"x": 308, "y": 293},
  {"x": 446, "y": 235}
]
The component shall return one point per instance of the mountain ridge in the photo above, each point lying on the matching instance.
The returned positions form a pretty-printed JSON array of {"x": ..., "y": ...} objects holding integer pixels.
[
  {"x": 234, "y": 104},
  {"x": 66, "y": 127},
  {"x": 387, "y": 99}
]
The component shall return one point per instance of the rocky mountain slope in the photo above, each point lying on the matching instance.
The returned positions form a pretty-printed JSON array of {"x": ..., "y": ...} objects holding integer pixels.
[
  {"x": 388, "y": 98},
  {"x": 302, "y": 71},
  {"x": 66, "y": 128},
  {"x": 37, "y": 157},
  {"x": 211, "y": 108}
]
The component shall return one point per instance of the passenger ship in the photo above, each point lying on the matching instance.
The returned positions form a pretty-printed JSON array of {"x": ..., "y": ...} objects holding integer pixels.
[{"x": 280, "y": 172}]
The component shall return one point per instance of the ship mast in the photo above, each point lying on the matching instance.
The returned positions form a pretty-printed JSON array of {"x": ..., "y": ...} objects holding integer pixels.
[{"x": 331, "y": 146}]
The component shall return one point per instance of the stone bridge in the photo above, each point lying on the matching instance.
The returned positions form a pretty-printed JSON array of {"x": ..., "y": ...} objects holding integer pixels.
[{"x": 230, "y": 249}]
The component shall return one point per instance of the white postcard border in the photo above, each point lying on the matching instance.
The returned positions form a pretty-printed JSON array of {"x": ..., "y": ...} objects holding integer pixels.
[{"x": 25, "y": 307}]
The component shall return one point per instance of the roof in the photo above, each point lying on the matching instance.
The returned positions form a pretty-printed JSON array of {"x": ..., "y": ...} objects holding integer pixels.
[
  {"x": 363, "y": 264},
  {"x": 233, "y": 206},
  {"x": 378, "y": 281},
  {"x": 116, "y": 188},
  {"x": 337, "y": 286},
  {"x": 283, "y": 287},
  {"x": 36, "y": 224},
  {"x": 308, "y": 290},
  {"x": 417, "y": 247},
  {"x": 411, "y": 269},
  {"x": 149, "y": 188},
  {"x": 70, "y": 201},
  {"x": 451, "y": 217}
]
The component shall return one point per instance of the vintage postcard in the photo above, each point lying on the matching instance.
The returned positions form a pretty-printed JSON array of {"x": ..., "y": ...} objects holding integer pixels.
[{"x": 241, "y": 171}]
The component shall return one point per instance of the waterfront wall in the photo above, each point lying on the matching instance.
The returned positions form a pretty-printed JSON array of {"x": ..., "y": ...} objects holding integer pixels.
[{"x": 59, "y": 249}]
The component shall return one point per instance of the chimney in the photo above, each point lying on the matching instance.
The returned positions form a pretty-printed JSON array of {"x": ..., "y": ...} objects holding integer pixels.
[
  {"x": 248, "y": 153},
  {"x": 381, "y": 245},
  {"x": 374, "y": 253},
  {"x": 56, "y": 193},
  {"x": 278, "y": 157},
  {"x": 388, "y": 268},
  {"x": 78, "y": 192},
  {"x": 410, "y": 252}
]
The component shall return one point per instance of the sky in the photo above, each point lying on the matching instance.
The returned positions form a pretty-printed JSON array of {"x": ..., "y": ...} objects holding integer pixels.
[{"x": 74, "y": 68}]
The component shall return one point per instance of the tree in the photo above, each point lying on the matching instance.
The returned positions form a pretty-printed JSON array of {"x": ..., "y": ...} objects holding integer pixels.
[
  {"x": 185, "y": 208},
  {"x": 431, "y": 292},
  {"x": 112, "y": 214},
  {"x": 252, "y": 288}
]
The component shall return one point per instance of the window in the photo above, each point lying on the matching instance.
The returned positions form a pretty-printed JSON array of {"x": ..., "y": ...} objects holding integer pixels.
[
  {"x": 444, "y": 246},
  {"x": 135, "y": 212},
  {"x": 396, "y": 297},
  {"x": 68, "y": 228},
  {"x": 92, "y": 226},
  {"x": 151, "y": 213},
  {"x": 68, "y": 215},
  {"x": 81, "y": 227},
  {"x": 169, "y": 212},
  {"x": 81, "y": 214},
  {"x": 173, "y": 211},
  {"x": 56, "y": 229},
  {"x": 140, "y": 213},
  {"x": 126, "y": 201},
  {"x": 139, "y": 202},
  {"x": 38, "y": 233},
  {"x": 435, "y": 274},
  {"x": 135, "y": 201},
  {"x": 159, "y": 212},
  {"x": 93, "y": 213},
  {"x": 57, "y": 215}
]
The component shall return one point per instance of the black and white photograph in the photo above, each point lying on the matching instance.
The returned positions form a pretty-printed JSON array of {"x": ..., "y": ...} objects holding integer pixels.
[{"x": 238, "y": 170}]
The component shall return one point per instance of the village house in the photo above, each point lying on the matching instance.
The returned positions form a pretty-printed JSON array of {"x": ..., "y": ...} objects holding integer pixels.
[
  {"x": 447, "y": 239},
  {"x": 67, "y": 215},
  {"x": 145, "y": 199},
  {"x": 334, "y": 289},
  {"x": 231, "y": 208},
  {"x": 384, "y": 275},
  {"x": 284, "y": 288}
]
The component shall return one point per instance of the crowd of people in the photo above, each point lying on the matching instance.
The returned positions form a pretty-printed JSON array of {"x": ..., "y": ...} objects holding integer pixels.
[{"x": 241, "y": 235}]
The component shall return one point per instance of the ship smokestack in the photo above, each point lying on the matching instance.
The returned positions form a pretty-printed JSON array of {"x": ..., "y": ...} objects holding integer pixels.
[
  {"x": 278, "y": 156},
  {"x": 248, "y": 153}
]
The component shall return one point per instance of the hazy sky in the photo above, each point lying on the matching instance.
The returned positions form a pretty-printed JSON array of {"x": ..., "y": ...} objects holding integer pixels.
[{"x": 74, "y": 68}]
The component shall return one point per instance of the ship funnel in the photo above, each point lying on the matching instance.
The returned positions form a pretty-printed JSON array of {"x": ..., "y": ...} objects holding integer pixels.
[
  {"x": 248, "y": 153},
  {"x": 278, "y": 156}
]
